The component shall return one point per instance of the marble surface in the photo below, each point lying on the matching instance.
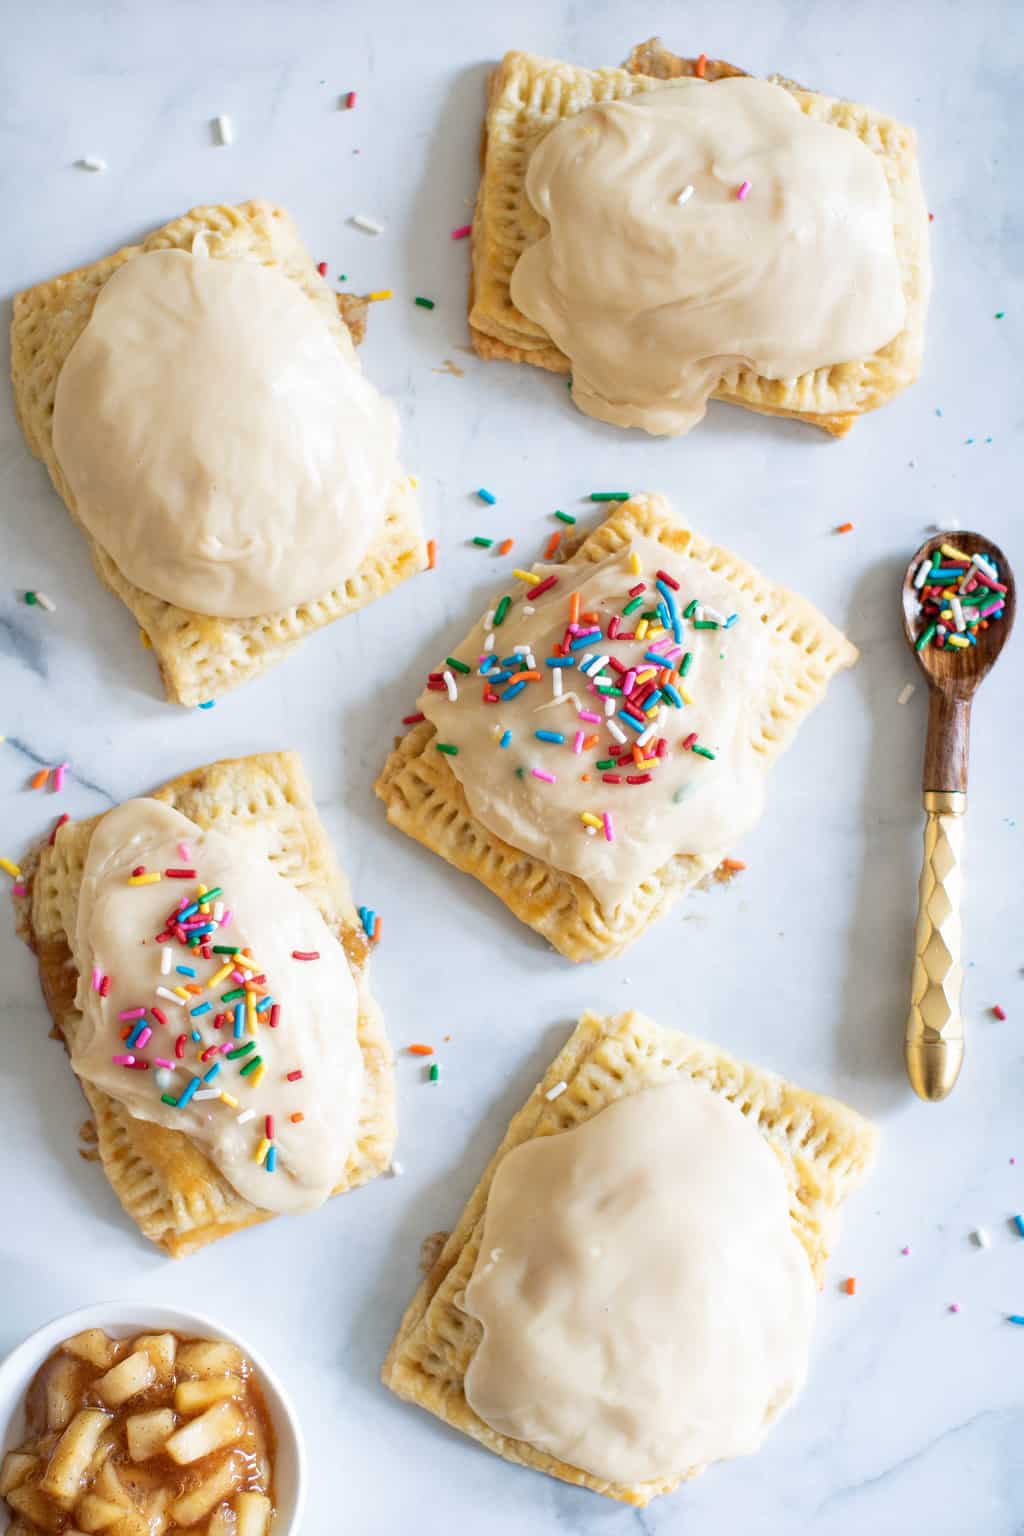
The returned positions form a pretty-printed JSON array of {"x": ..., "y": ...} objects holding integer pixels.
[{"x": 912, "y": 1419}]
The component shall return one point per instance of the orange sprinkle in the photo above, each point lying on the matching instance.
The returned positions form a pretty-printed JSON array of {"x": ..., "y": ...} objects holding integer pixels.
[
  {"x": 431, "y": 554},
  {"x": 524, "y": 677},
  {"x": 553, "y": 543},
  {"x": 190, "y": 986},
  {"x": 377, "y": 923},
  {"x": 845, "y": 528},
  {"x": 591, "y": 741},
  {"x": 505, "y": 546},
  {"x": 40, "y": 778},
  {"x": 700, "y": 66},
  {"x": 733, "y": 864},
  {"x": 590, "y": 618},
  {"x": 574, "y": 608},
  {"x": 851, "y": 1286},
  {"x": 421, "y": 1050},
  {"x": 127, "y": 1031},
  {"x": 297, "y": 1118},
  {"x": 585, "y": 778}
]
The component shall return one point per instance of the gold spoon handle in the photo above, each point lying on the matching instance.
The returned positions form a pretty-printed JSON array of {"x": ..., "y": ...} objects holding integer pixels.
[{"x": 935, "y": 1030}]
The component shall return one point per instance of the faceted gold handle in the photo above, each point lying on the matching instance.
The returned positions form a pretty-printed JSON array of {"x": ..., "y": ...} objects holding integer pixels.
[{"x": 935, "y": 1031}]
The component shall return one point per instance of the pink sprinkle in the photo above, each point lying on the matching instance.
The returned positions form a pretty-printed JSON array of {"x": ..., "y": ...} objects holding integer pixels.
[
  {"x": 161, "y": 1061},
  {"x": 954, "y": 1306},
  {"x": 238, "y": 977},
  {"x": 132, "y": 1013},
  {"x": 659, "y": 645},
  {"x": 905, "y": 1250},
  {"x": 548, "y": 778},
  {"x": 59, "y": 774},
  {"x": 588, "y": 714},
  {"x": 743, "y": 191},
  {"x": 609, "y": 829},
  {"x": 97, "y": 978},
  {"x": 577, "y": 743},
  {"x": 144, "y": 1037},
  {"x": 19, "y": 890},
  {"x": 627, "y": 686},
  {"x": 123, "y": 1061},
  {"x": 462, "y": 231},
  {"x": 185, "y": 853},
  {"x": 225, "y": 921}
]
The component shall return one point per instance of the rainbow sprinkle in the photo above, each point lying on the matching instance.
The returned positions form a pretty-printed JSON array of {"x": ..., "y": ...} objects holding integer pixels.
[{"x": 957, "y": 596}]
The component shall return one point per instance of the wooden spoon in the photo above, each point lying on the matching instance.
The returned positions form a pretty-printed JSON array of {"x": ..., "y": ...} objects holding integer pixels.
[{"x": 935, "y": 1033}]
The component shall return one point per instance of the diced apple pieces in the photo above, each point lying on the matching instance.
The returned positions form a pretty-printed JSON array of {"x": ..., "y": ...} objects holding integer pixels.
[
  {"x": 39, "y": 1512},
  {"x": 161, "y": 1349},
  {"x": 62, "y": 1390},
  {"x": 95, "y": 1346},
  {"x": 96, "y": 1514},
  {"x": 148, "y": 1433},
  {"x": 222, "y": 1522},
  {"x": 17, "y": 1468},
  {"x": 128, "y": 1378},
  {"x": 254, "y": 1511},
  {"x": 194, "y": 1396},
  {"x": 221, "y": 1484},
  {"x": 72, "y": 1454},
  {"x": 220, "y": 1425},
  {"x": 209, "y": 1357},
  {"x": 109, "y": 1486},
  {"x": 131, "y": 1525}
]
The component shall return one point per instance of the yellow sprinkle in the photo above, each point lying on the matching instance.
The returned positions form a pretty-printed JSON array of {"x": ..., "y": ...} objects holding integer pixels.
[
  {"x": 250, "y": 1012},
  {"x": 201, "y": 890},
  {"x": 526, "y": 575},
  {"x": 243, "y": 963},
  {"x": 380, "y": 293},
  {"x": 642, "y": 628},
  {"x": 645, "y": 676},
  {"x": 9, "y": 868},
  {"x": 186, "y": 997},
  {"x": 150, "y": 879},
  {"x": 145, "y": 641},
  {"x": 225, "y": 970},
  {"x": 647, "y": 762},
  {"x": 590, "y": 820},
  {"x": 634, "y": 562},
  {"x": 262, "y": 1150},
  {"x": 953, "y": 553},
  {"x": 255, "y": 1078},
  {"x": 959, "y": 641},
  {"x": 230, "y": 1100},
  {"x": 685, "y": 695}
]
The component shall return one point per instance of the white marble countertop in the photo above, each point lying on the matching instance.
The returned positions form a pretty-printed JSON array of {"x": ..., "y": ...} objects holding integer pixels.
[{"x": 913, "y": 1416}]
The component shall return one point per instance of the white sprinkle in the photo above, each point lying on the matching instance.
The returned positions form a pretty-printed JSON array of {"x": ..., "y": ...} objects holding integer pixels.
[
  {"x": 46, "y": 602},
  {"x": 169, "y": 997},
  {"x": 977, "y": 560},
  {"x": 559, "y": 1088},
  {"x": 206, "y": 1093},
  {"x": 396, "y": 1170},
  {"x": 489, "y": 642},
  {"x": 958, "y": 615},
  {"x": 529, "y": 608},
  {"x": 92, "y": 163},
  {"x": 164, "y": 1076},
  {"x": 609, "y": 706},
  {"x": 685, "y": 195},
  {"x": 646, "y": 735},
  {"x": 590, "y": 831},
  {"x": 708, "y": 612},
  {"x": 165, "y": 960},
  {"x": 905, "y": 693},
  {"x": 598, "y": 665},
  {"x": 226, "y": 134},
  {"x": 520, "y": 650},
  {"x": 556, "y": 682},
  {"x": 982, "y": 1238},
  {"x": 617, "y": 732},
  {"x": 246, "y": 1116},
  {"x": 922, "y": 574},
  {"x": 450, "y": 684},
  {"x": 363, "y": 221},
  {"x": 218, "y": 911},
  {"x": 489, "y": 619}
]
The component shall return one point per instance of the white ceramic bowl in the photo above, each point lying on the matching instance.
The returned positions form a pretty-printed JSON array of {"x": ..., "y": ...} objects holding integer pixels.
[{"x": 123, "y": 1318}]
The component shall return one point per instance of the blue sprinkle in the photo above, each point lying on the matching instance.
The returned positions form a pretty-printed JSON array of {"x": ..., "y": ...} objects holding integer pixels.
[
  {"x": 733, "y": 618},
  {"x": 369, "y": 917},
  {"x": 268, "y": 1002},
  {"x": 514, "y": 691},
  {"x": 208, "y": 704},
  {"x": 487, "y": 496},
  {"x": 239, "y": 1020},
  {"x": 201, "y": 1009},
  {"x": 671, "y": 693},
  {"x": 186, "y": 912},
  {"x": 659, "y": 661},
  {"x": 1015, "y": 1317},
  {"x": 625, "y": 719},
  {"x": 136, "y": 1032},
  {"x": 209, "y": 1076},
  {"x": 506, "y": 738},
  {"x": 488, "y": 663},
  {"x": 582, "y": 641},
  {"x": 196, "y": 1036},
  {"x": 499, "y": 677},
  {"x": 555, "y": 736},
  {"x": 185, "y": 970},
  {"x": 1018, "y": 1222},
  {"x": 651, "y": 700},
  {"x": 271, "y": 1159},
  {"x": 189, "y": 1091},
  {"x": 197, "y": 933},
  {"x": 560, "y": 661}
]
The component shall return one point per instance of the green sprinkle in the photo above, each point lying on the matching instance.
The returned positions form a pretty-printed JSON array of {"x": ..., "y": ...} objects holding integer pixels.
[
  {"x": 194, "y": 939},
  {"x": 168, "y": 1098},
  {"x": 233, "y": 995},
  {"x": 520, "y": 773},
  {"x": 925, "y": 637},
  {"x": 31, "y": 599},
  {"x": 704, "y": 624},
  {"x": 482, "y": 543},
  {"x": 251, "y": 1065},
  {"x": 563, "y": 517},
  {"x": 687, "y": 663},
  {"x": 435, "y": 1073},
  {"x": 447, "y": 748},
  {"x": 242, "y": 1050},
  {"x": 703, "y": 752},
  {"x": 226, "y": 949},
  {"x": 650, "y": 613},
  {"x": 218, "y": 890},
  {"x": 424, "y": 303},
  {"x": 501, "y": 610},
  {"x": 605, "y": 763},
  {"x": 681, "y": 793},
  {"x": 1000, "y": 313},
  {"x": 342, "y": 277},
  {"x": 609, "y": 495},
  {"x": 610, "y": 693},
  {"x": 456, "y": 665},
  {"x": 632, "y": 607},
  {"x": 690, "y": 609}
]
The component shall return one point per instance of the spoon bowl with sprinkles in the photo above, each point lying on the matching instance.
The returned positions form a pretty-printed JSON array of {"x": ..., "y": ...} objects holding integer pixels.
[{"x": 959, "y": 601}]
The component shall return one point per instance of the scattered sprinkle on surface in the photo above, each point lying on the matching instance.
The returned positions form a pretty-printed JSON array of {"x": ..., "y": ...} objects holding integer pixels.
[
  {"x": 224, "y": 128},
  {"x": 905, "y": 693}
]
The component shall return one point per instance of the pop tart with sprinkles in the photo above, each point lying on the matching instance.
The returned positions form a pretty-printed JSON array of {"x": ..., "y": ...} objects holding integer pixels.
[{"x": 600, "y": 740}]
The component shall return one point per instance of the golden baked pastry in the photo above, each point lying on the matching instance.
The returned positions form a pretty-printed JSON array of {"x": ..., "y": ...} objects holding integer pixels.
[
  {"x": 517, "y": 819},
  {"x": 172, "y": 1182},
  {"x": 824, "y": 1149},
  {"x": 529, "y": 96},
  {"x": 203, "y": 653}
]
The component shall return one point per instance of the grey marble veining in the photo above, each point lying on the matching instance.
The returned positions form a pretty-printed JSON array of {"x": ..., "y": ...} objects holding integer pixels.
[{"x": 913, "y": 1418}]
